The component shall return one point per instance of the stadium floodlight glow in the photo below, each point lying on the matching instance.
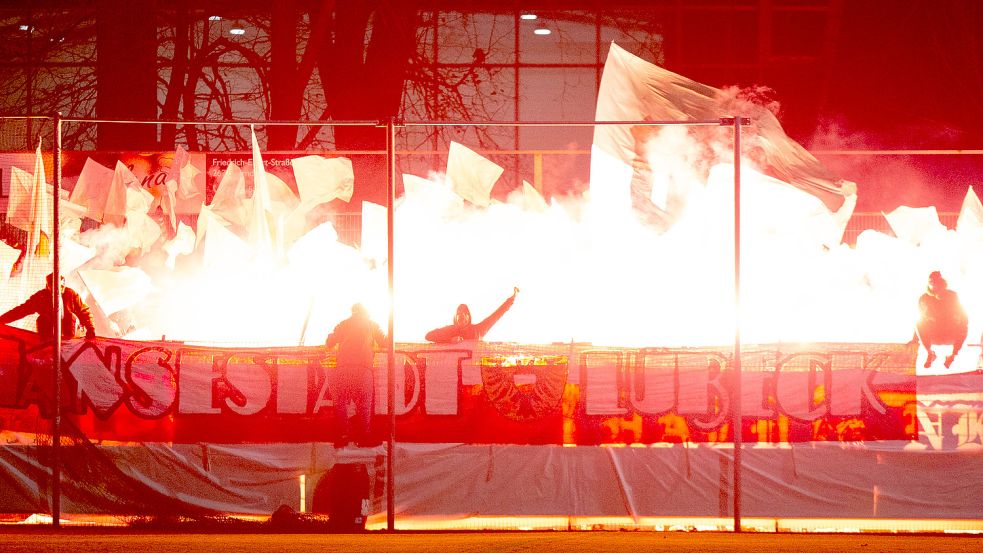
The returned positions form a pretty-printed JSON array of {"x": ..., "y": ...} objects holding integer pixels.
[
  {"x": 529, "y": 16},
  {"x": 542, "y": 32},
  {"x": 237, "y": 31},
  {"x": 214, "y": 17}
]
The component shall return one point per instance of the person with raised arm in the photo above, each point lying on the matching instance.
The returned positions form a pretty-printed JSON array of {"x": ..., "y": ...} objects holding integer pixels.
[{"x": 464, "y": 329}]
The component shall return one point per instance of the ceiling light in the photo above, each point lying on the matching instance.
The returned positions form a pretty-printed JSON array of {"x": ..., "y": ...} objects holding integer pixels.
[
  {"x": 543, "y": 32},
  {"x": 25, "y": 27},
  {"x": 237, "y": 31},
  {"x": 214, "y": 17},
  {"x": 528, "y": 16}
]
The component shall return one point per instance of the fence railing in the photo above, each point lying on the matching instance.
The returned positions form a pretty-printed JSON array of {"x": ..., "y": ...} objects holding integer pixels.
[{"x": 545, "y": 167}]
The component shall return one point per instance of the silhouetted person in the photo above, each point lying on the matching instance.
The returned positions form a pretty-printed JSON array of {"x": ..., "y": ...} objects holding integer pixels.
[
  {"x": 352, "y": 380},
  {"x": 75, "y": 312},
  {"x": 943, "y": 319},
  {"x": 462, "y": 329}
]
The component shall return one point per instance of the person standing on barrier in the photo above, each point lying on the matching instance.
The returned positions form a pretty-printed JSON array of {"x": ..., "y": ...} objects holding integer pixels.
[
  {"x": 353, "y": 378},
  {"x": 462, "y": 329},
  {"x": 75, "y": 312},
  {"x": 942, "y": 319}
]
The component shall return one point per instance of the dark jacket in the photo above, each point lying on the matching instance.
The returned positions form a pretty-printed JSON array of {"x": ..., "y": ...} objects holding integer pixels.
[
  {"x": 355, "y": 338},
  {"x": 942, "y": 313},
  {"x": 40, "y": 303}
]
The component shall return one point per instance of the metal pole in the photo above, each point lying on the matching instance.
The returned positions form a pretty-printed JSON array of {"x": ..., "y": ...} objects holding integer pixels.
[
  {"x": 738, "y": 415},
  {"x": 440, "y": 123},
  {"x": 391, "y": 363},
  {"x": 57, "y": 308}
]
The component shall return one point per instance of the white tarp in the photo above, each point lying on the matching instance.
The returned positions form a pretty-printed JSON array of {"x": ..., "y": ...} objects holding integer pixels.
[
  {"x": 437, "y": 483},
  {"x": 230, "y": 200},
  {"x": 261, "y": 235},
  {"x": 320, "y": 179},
  {"x": 633, "y": 89},
  {"x": 471, "y": 175},
  {"x": 118, "y": 288}
]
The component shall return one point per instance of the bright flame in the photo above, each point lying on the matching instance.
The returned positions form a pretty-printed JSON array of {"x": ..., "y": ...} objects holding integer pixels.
[
  {"x": 587, "y": 270},
  {"x": 270, "y": 270}
]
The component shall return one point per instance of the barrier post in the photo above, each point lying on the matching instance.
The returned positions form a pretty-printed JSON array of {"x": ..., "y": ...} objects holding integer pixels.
[
  {"x": 736, "y": 387},
  {"x": 57, "y": 308},
  {"x": 391, "y": 357}
]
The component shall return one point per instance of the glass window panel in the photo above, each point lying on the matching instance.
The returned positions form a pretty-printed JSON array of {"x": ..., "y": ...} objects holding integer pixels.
[
  {"x": 15, "y": 134},
  {"x": 416, "y": 162},
  {"x": 13, "y": 101},
  {"x": 257, "y": 34},
  {"x": 312, "y": 108},
  {"x": 425, "y": 35},
  {"x": 469, "y": 94},
  {"x": 465, "y": 38},
  {"x": 547, "y": 93},
  {"x": 212, "y": 30},
  {"x": 14, "y": 42},
  {"x": 70, "y": 90},
  {"x": 78, "y": 136},
  {"x": 163, "y": 84},
  {"x": 232, "y": 91},
  {"x": 475, "y": 137},
  {"x": 572, "y": 38},
  {"x": 70, "y": 37},
  {"x": 303, "y": 33},
  {"x": 557, "y": 94},
  {"x": 63, "y": 36},
  {"x": 165, "y": 43},
  {"x": 415, "y": 108},
  {"x": 637, "y": 32}
]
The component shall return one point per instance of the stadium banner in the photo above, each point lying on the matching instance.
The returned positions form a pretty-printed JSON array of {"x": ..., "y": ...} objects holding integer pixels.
[
  {"x": 279, "y": 165},
  {"x": 120, "y": 390},
  {"x": 151, "y": 170}
]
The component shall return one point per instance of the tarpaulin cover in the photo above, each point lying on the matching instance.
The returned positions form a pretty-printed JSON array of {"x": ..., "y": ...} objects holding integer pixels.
[{"x": 441, "y": 482}]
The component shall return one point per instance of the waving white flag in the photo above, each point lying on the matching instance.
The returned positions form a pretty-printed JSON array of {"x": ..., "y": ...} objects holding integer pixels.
[{"x": 633, "y": 89}]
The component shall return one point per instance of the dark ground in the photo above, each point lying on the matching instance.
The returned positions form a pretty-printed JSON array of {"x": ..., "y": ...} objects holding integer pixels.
[{"x": 102, "y": 540}]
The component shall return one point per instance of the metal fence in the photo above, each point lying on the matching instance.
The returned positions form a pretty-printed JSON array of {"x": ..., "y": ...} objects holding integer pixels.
[{"x": 124, "y": 421}]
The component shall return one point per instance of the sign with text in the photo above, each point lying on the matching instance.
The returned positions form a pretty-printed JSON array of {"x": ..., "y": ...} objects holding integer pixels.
[{"x": 472, "y": 392}]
